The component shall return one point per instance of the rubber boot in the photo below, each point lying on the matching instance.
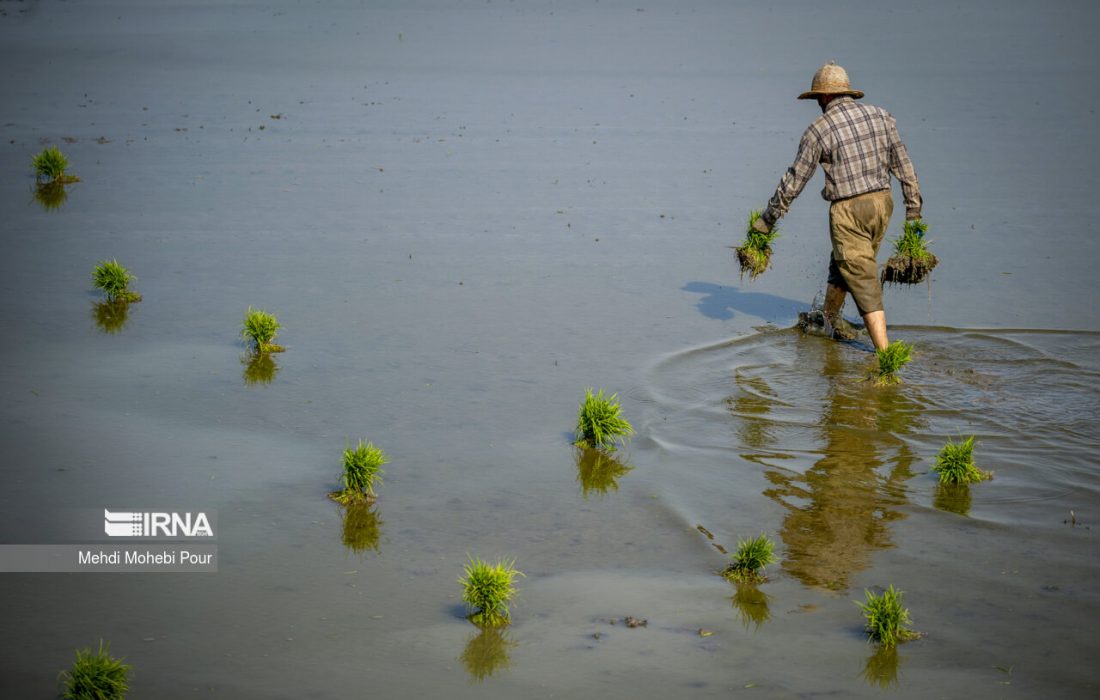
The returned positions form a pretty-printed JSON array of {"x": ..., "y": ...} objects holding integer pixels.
[{"x": 834, "y": 321}]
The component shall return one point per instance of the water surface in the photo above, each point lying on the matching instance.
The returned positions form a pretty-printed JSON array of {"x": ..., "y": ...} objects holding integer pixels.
[{"x": 466, "y": 213}]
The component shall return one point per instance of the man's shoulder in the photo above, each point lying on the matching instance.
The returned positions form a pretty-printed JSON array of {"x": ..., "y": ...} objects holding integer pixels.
[
  {"x": 848, "y": 113},
  {"x": 853, "y": 107}
]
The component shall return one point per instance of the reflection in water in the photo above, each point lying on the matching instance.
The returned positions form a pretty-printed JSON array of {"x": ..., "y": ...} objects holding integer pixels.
[
  {"x": 362, "y": 528},
  {"x": 881, "y": 669},
  {"x": 954, "y": 498},
  {"x": 111, "y": 316},
  {"x": 752, "y": 605},
  {"x": 487, "y": 652},
  {"x": 838, "y": 510},
  {"x": 598, "y": 471},
  {"x": 259, "y": 368},
  {"x": 51, "y": 195},
  {"x": 753, "y": 404}
]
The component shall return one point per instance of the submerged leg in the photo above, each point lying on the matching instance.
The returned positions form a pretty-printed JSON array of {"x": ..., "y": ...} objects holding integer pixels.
[
  {"x": 834, "y": 302},
  {"x": 835, "y": 324},
  {"x": 876, "y": 328}
]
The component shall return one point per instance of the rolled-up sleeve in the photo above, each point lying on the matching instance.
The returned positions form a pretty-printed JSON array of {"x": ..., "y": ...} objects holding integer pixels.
[{"x": 796, "y": 177}]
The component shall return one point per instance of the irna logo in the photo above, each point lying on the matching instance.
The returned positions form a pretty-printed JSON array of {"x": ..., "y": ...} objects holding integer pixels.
[{"x": 153, "y": 524}]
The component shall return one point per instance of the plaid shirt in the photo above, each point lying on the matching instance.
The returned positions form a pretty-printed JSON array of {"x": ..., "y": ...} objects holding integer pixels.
[{"x": 859, "y": 148}]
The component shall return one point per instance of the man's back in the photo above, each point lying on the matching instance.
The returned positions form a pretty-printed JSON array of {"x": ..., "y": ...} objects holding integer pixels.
[{"x": 858, "y": 147}]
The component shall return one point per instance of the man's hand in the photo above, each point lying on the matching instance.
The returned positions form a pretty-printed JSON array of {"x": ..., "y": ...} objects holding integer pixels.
[{"x": 760, "y": 226}]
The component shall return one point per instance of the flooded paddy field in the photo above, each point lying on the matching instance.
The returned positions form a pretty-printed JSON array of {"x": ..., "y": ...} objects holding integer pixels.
[{"x": 464, "y": 214}]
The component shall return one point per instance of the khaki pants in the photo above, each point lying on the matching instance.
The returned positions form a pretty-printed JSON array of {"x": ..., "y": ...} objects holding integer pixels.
[{"x": 857, "y": 226}]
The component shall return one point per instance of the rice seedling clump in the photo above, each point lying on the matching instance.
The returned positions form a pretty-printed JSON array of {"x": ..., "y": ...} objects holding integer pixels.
[
  {"x": 50, "y": 166},
  {"x": 600, "y": 423},
  {"x": 911, "y": 262},
  {"x": 362, "y": 468},
  {"x": 755, "y": 254},
  {"x": 96, "y": 676},
  {"x": 114, "y": 280},
  {"x": 259, "y": 329},
  {"x": 890, "y": 359},
  {"x": 749, "y": 560},
  {"x": 487, "y": 589},
  {"x": 885, "y": 620},
  {"x": 955, "y": 463}
]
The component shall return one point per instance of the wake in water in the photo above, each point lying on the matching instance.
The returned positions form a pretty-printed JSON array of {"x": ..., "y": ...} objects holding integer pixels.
[{"x": 844, "y": 457}]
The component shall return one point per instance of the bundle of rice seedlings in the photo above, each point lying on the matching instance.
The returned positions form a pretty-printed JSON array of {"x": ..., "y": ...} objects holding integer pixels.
[
  {"x": 50, "y": 166},
  {"x": 259, "y": 329},
  {"x": 955, "y": 463},
  {"x": 97, "y": 676},
  {"x": 600, "y": 423},
  {"x": 750, "y": 559},
  {"x": 114, "y": 279},
  {"x": 885, "y": 620},
  {"x": 890, "y": 359},
  {"x": 912, "y": 261},
  {"x": 755, "y": 254},
  {"x": 487, "y": 590},
  {"x": 362, "y": 467}
]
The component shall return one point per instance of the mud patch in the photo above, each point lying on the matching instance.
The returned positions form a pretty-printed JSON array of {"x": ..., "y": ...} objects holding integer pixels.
[{"x": 905, "y": 269}]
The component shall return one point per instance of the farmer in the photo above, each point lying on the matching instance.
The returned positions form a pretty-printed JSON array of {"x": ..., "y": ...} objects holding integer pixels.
[{"x": 859, "y": 148}]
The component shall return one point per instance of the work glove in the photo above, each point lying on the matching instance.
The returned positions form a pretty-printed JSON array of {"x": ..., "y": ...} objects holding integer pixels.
[{"x": 760, "y": 226}]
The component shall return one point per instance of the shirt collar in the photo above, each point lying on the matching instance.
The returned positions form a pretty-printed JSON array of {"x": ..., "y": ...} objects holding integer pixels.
[{"x": 843, "y": 99}]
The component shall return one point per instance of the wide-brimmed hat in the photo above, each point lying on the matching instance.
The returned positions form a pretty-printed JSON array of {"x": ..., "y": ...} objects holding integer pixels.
[{"x": 830, "y": 79}]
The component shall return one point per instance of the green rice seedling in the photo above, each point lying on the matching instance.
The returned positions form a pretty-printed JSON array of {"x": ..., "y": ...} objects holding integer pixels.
[
  {"x": 598, "y": 472},
  {"x": 885, "y": 619},
  {"x": 487, "y": 589},
  {"x": 50, "y": 166},
  {"x": 51, "y": 195},
  {"x": 755, "y": 254},
  {"x": 955, "y": 463},
  {"x": 890, "y": 359},
  {"x": 749, "y": 560},
  {"x": 487, "y": 652},
  {"x": 259, "y": 331},
  {"x": 111, "y": 316},
  {"x": 96, "y": 676},
  {"x": 114, "y": 280},
  {"x": 259, "y": 368},
  {"x": 361, "y": 528},
  {"x": 600, "y": 423},
  {"x": 911, "y": 262},
  {"x": 362, "y": 468},
  {"x": 752, "y": 605}
]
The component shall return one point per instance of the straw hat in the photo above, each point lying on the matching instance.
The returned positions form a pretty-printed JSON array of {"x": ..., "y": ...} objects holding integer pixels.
[{"x": 830, "y": 79}]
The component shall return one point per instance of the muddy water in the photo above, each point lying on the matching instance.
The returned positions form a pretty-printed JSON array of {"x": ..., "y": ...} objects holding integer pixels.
[{"x": 463, "y": 215}]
